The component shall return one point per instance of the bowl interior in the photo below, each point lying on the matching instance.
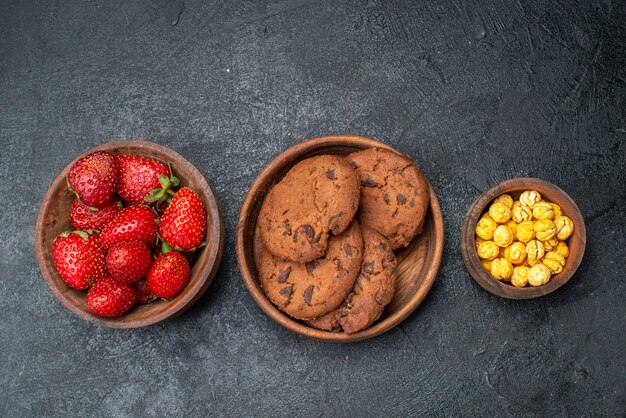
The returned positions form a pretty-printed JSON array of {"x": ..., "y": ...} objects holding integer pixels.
[
  {"x": 53, "y": 219},
  {"x": 515, "y": 187},
  {"x": 417, "y": 264}
]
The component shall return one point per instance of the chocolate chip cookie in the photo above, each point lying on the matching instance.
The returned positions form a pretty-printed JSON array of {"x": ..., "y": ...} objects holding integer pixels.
[
  {"x": 309, "y": 290},
  {"x": 317, "y": 196},
  {"x": 394, "y": 194},
  {"x": 373, "y": 289}
]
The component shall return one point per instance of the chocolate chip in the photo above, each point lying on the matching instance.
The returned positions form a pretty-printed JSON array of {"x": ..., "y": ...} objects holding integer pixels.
[
  {"x": 286, "y": 291},
  {"x": 348, "y": 302},
  {"x": 308, "y": 295},
  {"x": 382, "y": 247},
  {"x": 308, "y": 230},
  {"x": 335, "y": 327},
  {"x": 412, "y": 203},
  {"x": 330, "y": 173},
  {"x": 333, "y": 219},
  {"x": 369, "y": 267},
  {"x": 354, "y": 164},
  {"x": 312, "y": 266},
  {"x": 283, "y": 275},
  {"x": 286, "y": 229},
  {"x": 401, "y": 199},
  {"x": 342, "y": 314},
  {"x": 359, "y": 282},
  {"x": 348, "y": 250},
  {"x": 369, "y": 182},
  {"x": 386, "y": 197}
]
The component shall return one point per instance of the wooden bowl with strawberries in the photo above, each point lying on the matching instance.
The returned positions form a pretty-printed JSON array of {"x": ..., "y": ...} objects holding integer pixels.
[{"x": 110, "y": 266}]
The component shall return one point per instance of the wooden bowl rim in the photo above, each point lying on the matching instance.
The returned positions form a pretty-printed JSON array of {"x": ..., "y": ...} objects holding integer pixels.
[
  {"x": 175, "y": 307},
  {"x": 470, "y": 257},
  {"x": 256, "y": 192}
]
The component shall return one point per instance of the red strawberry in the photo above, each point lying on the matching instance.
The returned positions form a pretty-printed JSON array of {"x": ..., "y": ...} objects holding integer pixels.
[
  {"x": 83, "y": 218},
  {"x": 135, "y": 223},
  {"x": 183, "y": 224},
  {"x": 141, "y": 177},
  {"x": 169, "y": 275},
  {"x": 110, "y": 298},
  {"x": 79, "y": 258},
  {"x": 128, "y": 261},
  {"x": 93, "y": 178},
  {"x": 144, "y": 295}
]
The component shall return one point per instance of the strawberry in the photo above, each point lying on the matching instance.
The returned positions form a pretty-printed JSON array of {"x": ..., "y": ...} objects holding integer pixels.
[
  {"x": 79, "y": 258},
  {"x": 110, "y": 298},
  {"x": 94, "y": 178},
  {"x": 142, "y": 177},
  {"x": 169, "y": 275},
  {"x": 83, "y": 218},
  {"x": 144, "y": 295},
  {"x": 135, "y": 223},
  {"x": 128, "y": 261},
  {"x": 183, "y": 224}
]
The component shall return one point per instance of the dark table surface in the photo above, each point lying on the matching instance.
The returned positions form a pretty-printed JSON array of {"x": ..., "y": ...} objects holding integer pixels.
[{"x": 475, "y": 92}]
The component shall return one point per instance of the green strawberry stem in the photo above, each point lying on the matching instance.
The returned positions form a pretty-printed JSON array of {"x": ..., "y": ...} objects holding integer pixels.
[
  {"x": 83, "y": 234},
  {"x": 159, "y": 195}
]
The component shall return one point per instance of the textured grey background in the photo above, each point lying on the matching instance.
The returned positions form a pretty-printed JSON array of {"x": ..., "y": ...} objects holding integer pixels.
[{"x": 476, "y": 92}]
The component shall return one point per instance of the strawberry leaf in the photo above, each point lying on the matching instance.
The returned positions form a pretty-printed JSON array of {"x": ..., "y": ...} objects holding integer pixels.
[
  {"x": 83, "y": 234},
  {"x": 166, "y": 248}
]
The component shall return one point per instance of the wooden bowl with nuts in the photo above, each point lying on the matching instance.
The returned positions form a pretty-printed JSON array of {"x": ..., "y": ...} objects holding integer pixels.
[{"x": 523, "y": 238}]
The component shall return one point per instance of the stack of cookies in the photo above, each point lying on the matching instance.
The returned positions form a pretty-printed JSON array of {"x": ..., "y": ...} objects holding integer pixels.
[{"x": 327, "y": 231}]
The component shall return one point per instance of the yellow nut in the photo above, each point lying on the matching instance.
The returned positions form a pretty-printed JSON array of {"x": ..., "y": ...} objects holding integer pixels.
[
  {"x": 543, "y": 210},
  {"x": 515, "y": 253},
  {"x": 503, "y": 236},
  {"x": 521, "y": 212},
  {"x": 550, "y": 244},
  {"x": 554, "y": 261},
  {"x": 544, "y": 229},
  {"x": 534, "y": 252},
  {"x": 520, "y": 276},
  {"x": 525, "y": 231},
  {"x": 564, "y": 227},
  {"x": 513, "y": 225},
  {"x": 506, "y": 199},
  {"x": 538, "y": 274},
  {"x": 529, "y": 198},
  {"x": 501, "y": 269},
  {"x": 487, "y": 250},
  {"x": 486, "y": 264},
  {"x": 485, "y": 228},
  {"x": 557, "y": 210},
  {"x": 562, "y": 249},
  {"x": 500, "y": 212}
]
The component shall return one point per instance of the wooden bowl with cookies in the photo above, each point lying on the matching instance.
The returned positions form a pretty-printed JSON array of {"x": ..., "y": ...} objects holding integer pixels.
[
  {"x": 523, "y": 238},
  {"x": 340, "y": 238},
  {"x": 53, "y": 219}
]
